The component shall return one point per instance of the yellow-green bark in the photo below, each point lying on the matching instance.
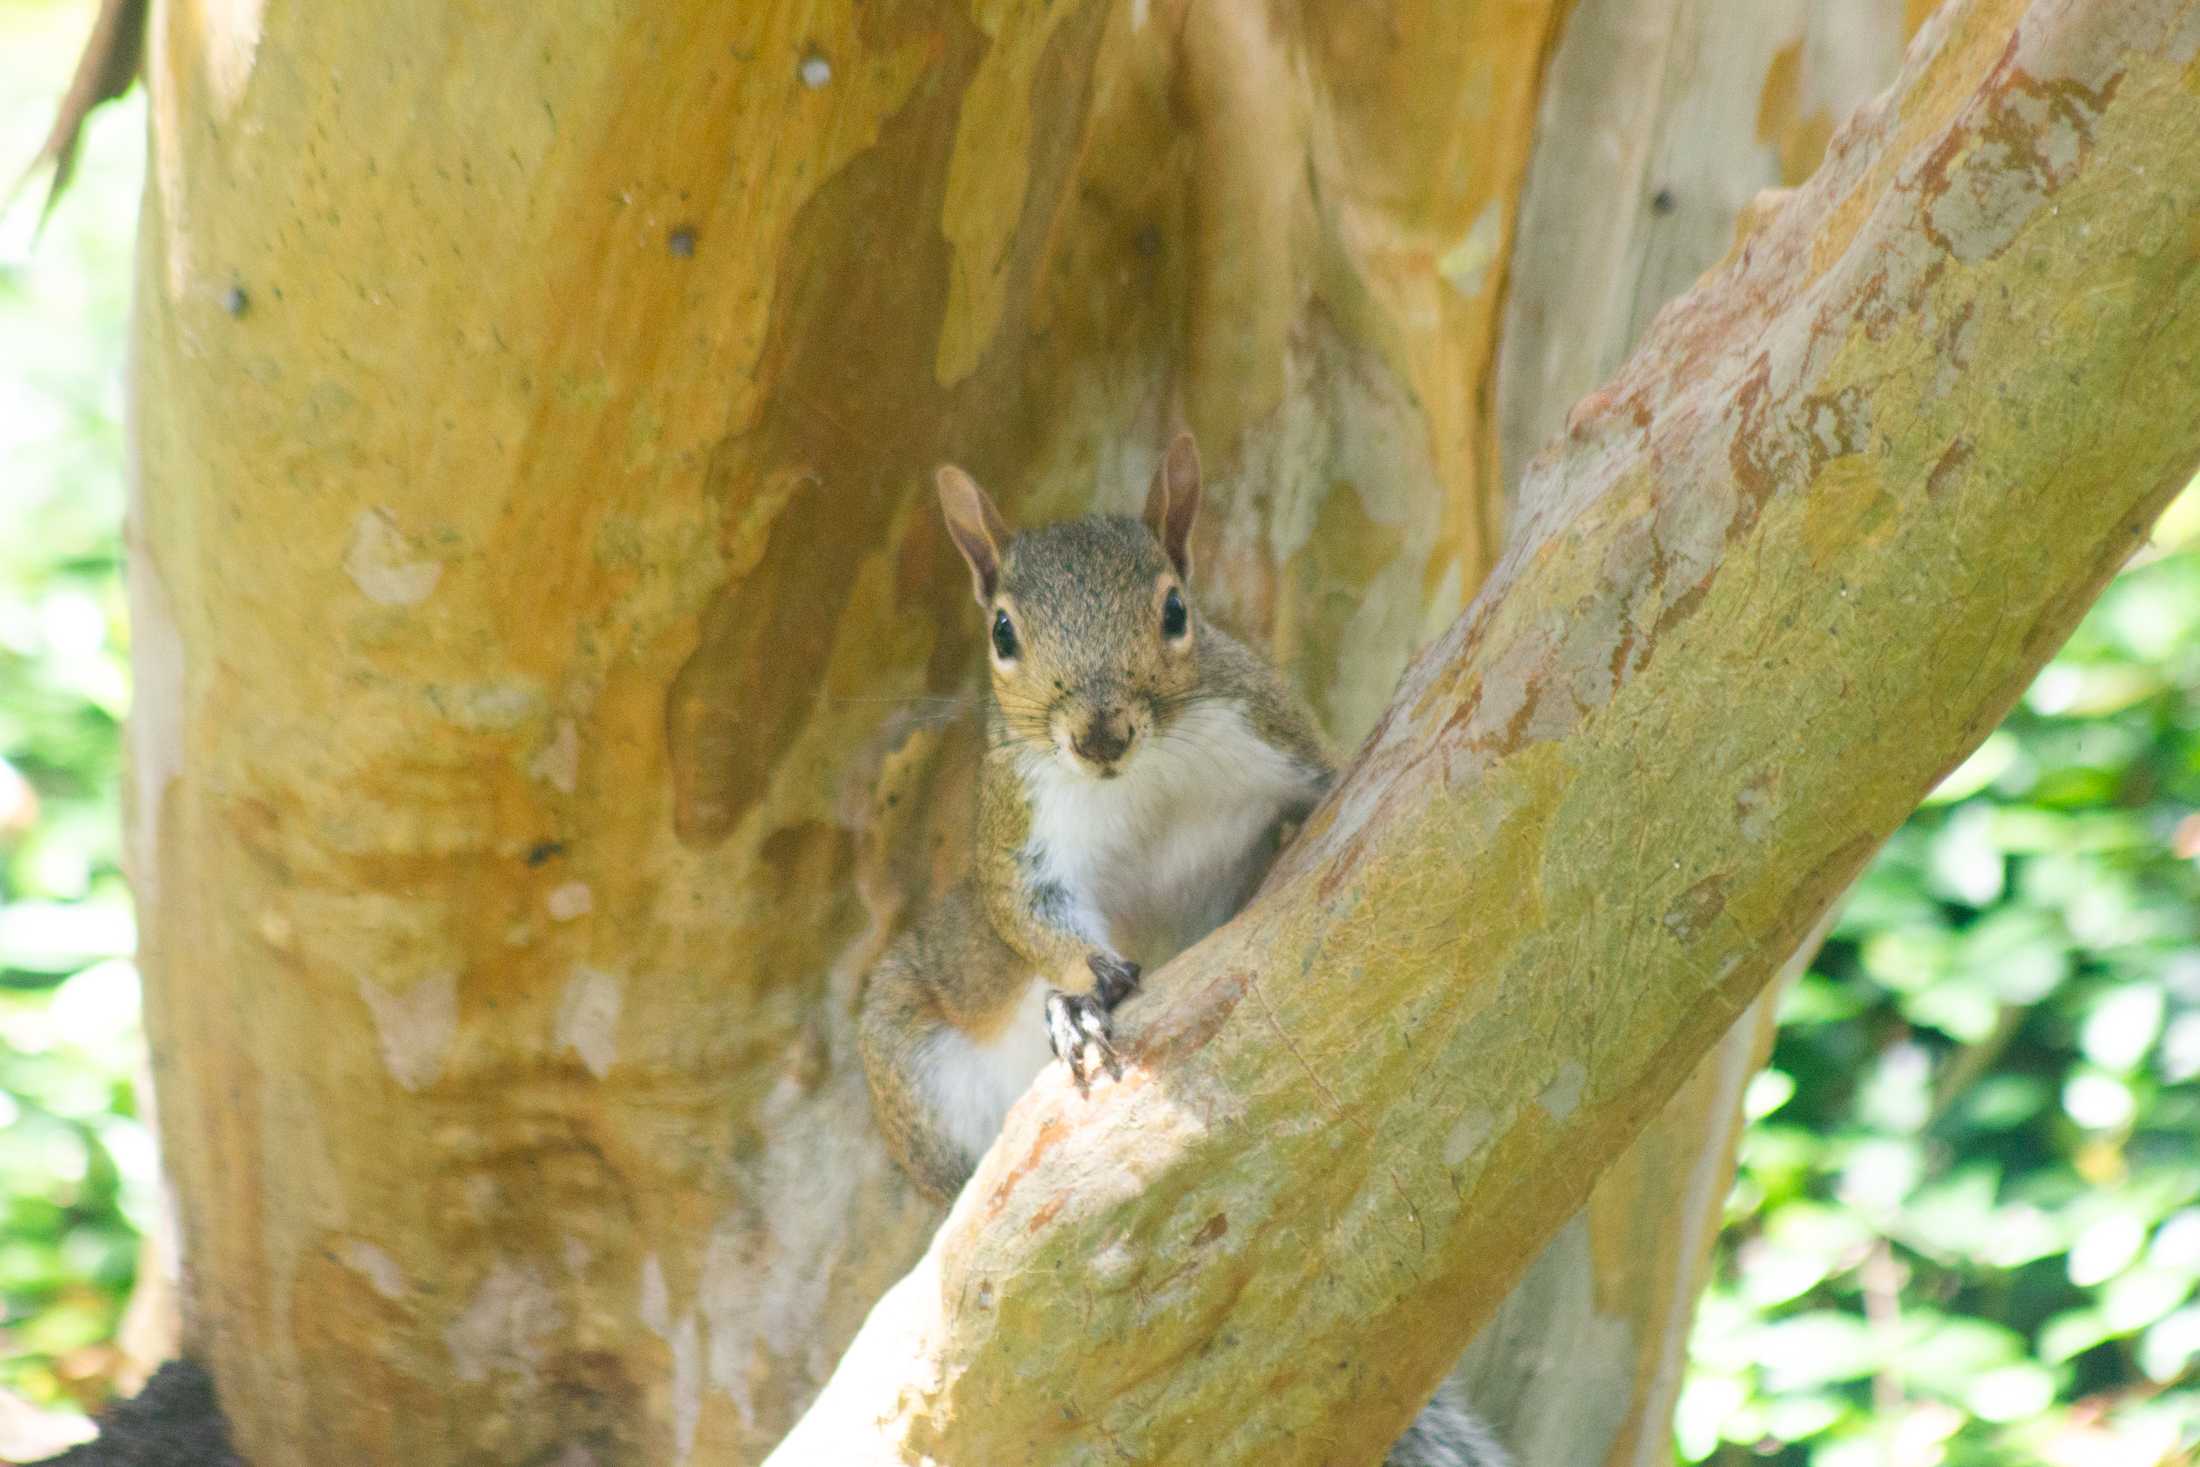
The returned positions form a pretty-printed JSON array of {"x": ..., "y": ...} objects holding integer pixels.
[
  {"x": 1659, "y": 119},
  {"x": 1776, "y": 580}
]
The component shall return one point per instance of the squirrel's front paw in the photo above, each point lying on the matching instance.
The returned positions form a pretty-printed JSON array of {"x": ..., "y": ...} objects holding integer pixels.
[
  {"x": 1076, "y": 1021},
  {"x": 1113, "y": 979}
]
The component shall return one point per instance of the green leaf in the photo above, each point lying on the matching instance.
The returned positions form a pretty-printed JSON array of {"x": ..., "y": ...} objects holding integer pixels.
[
  {"x": 1816, "y": 1348},
  {"x": 2124, "y": 1023},
  {"x": 2072, "y": 1333},
  {"x": 2010, "y": 1392},
  {"x": 2172, "y": 1346}
]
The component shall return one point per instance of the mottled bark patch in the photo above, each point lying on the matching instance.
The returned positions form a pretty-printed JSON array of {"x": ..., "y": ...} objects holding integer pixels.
[{"x": 1986, "y": 182}]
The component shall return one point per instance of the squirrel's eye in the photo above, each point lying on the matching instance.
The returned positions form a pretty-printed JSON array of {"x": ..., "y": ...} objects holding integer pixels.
[
  {"x": 1173, "y": 620},
  {"x": 1004, "y": 637}
]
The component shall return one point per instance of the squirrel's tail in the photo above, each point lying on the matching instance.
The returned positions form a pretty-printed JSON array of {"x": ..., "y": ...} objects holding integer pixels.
[{"x": 1444, "y": 1435}]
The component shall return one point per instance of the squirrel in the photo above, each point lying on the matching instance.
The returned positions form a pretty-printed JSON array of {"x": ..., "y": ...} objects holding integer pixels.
[
  {"x": 1139, "y": 766},
  {"x": 1141, "y": 769}
]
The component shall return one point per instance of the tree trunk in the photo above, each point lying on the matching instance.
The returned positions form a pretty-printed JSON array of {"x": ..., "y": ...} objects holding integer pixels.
[
  {"x": 534, "y": 414},
  {"x": 539, "y": 618}
]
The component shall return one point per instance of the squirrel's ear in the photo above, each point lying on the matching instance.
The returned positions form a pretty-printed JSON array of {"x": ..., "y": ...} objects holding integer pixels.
[
  {"x": 1173, "y": 502},
  {"x": 976, "y": 528}
]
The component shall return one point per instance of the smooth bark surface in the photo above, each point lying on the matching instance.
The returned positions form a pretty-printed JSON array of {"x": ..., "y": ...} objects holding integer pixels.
[{"x": 1780, "y": 576}]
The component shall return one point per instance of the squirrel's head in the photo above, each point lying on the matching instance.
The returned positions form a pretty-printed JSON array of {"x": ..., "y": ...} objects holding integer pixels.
[{"x": 1089, "y": 624}]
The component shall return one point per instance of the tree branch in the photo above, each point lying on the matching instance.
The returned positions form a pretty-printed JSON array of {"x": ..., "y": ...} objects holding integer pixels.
[{"x": 1778, "y": 577}]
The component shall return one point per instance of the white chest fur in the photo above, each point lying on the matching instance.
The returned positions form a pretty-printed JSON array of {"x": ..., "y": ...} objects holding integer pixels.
[
  {"x": 1147, "y": 863},
  {"x": 1157, "y": 857}
]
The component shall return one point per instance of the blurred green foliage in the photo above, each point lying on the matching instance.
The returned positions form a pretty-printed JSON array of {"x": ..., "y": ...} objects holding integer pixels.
[
  {"x": 1967, "y": 1224},
  {"x": 76, "y": 1168}
]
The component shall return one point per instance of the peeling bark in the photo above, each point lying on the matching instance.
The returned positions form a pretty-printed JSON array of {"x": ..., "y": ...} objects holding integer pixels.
[{"x": 1741, "y": 627}]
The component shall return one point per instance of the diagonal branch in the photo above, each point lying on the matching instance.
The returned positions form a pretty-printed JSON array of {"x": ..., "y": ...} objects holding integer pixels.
[{"x": 1776, "y": 579}]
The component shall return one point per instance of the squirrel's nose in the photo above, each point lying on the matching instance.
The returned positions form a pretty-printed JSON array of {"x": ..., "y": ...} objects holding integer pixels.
[{"x": 1103, "y": 740}]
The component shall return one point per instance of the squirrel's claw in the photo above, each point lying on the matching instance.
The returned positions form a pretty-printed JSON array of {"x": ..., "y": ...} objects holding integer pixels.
[
  {"x": 1113, "y": 979},
  {"x": 1076, "y": 1022}
]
